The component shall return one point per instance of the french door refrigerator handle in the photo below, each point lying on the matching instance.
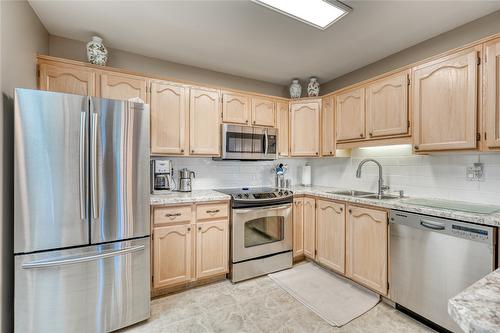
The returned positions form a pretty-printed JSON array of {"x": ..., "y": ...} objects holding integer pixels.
[
  {"x": 83, "y": 186},
  {"x": 93, "y": 167},
  {"x": 76, "y": 260}
]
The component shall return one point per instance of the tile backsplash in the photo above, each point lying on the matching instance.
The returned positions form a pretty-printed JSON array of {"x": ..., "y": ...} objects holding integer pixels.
[{"x": 433, "y": 176}]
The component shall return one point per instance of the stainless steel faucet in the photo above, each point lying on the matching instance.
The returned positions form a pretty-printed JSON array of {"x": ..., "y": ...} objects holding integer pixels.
[{"x": 381, "y": 186}]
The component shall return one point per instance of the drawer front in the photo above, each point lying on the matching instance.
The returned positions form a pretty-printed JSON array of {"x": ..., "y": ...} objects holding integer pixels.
[
  {"x": 172, "y": 214},
  {"x": 212, "y": 211}
]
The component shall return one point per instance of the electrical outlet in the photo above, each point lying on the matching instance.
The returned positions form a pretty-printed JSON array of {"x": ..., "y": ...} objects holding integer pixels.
[{"x": 475, "y": 172}]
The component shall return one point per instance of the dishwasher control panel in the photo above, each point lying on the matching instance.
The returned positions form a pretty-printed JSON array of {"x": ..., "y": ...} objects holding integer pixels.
[{"x": 470, "y": 232}]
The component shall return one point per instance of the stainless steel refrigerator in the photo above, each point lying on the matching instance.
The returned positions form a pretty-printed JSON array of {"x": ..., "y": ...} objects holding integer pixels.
[{"x": 81, "y": 225}]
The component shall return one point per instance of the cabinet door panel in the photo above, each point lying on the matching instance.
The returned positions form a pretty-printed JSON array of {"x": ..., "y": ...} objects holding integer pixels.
[
  {"x": 168, "y": 118},
  {"x": 204, "y": 129},
  {"x": 387, "y": 106},
  {"x": 298, "y": 227},
  {"x": 212, "y": 248},
  {"x": 263, "y": 113},
  {"x": 122, "y": 86},
  {"x": 350, "y": 115},
  {"x": 330, "y": 235},
  {"x": 445, "y": 103},
  {"x": 491, "y": 99},
  {"x": 172, "y": 255},
  {"x": 305, "y": 128},
  {"x": 67, "y": 79},
  {"x": 327, "y": 127},
  {"x": 367, "y": 247},
  {"x": 309, "y": 227},
  {"x": 235, "y": 108},
  {"x": 283, "y": 127}
]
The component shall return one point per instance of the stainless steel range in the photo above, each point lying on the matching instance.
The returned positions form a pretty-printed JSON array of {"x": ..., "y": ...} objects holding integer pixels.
[{"x": 261, "y": 231}]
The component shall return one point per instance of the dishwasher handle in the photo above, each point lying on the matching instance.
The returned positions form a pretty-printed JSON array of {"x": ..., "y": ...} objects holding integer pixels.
[{"x": 432, "y": 224}]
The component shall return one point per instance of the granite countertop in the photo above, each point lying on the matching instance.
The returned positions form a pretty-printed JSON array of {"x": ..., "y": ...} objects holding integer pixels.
[
  {"x": 477, "y": 308},
  {"x": 187, "y": 197},
  {"x": 401, "y": 204}
]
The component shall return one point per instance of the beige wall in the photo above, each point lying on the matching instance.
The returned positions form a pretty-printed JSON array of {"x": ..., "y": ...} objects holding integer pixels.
[
  {"x": 472, "y": 31},
  {"x": 75, "y": 50},
  {"x": 22, "y": 37}
]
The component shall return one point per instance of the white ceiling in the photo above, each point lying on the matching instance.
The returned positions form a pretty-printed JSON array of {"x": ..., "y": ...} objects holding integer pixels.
[{"x": 246, "y": 39}]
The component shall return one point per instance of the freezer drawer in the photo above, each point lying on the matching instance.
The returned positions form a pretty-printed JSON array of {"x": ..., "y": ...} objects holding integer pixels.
[{"x": 90, "y": 289}]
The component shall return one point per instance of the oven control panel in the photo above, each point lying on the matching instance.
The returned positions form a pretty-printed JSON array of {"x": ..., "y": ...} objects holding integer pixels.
[{"x": 278, "y": 194}]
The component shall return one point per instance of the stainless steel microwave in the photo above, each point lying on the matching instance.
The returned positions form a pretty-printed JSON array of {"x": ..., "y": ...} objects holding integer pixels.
[{"x": 249, "y": 143}]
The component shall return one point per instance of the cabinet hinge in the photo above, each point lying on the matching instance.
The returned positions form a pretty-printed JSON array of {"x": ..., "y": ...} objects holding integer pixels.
[
  {"x": 484, "y": 136},
  {"x": 315, "y": 252},
  {"x": 478, "y": 61},
  {"x": 478, "y": 136},
  {"x": 408, "y": 79},
  {"x": 408, "y": 124},
  {"x": 387, "y": 285}
]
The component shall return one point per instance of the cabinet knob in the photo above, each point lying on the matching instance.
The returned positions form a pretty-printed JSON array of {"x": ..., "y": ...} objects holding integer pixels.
[
  {"x": 254, "y": 122},
  {"x": 246, "y": 121},
  {"x": 188, "y": 229},
  {"x": 371, "y": 134},
  {"x": 317, "y": 153},
  {"x": 199, "y": 228},
  {"x": 182, "y": 150},
  {"x": 350, "y": 211},
  {"x": 331, "y": 153},
  {"x": 416, "y": 147},
  {"x": 192, "y": 151},
  {"x": 341, "y": 209},
  {"x": 361, "y": 135}
]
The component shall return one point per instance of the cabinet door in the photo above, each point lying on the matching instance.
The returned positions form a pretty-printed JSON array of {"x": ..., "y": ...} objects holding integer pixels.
[
  {"x": 235, "y": 108},
  {"x": 204, "y": 129},
  {"x": 305, "y": 128},
  {"x": 283, "y": 125},
  {"x": 172, "y": 255},
  {"x": 350, "y": 115},
  {"x": 445, "y": 102},
  {"x": 212, "y": 248},
  {"x": 298, "y": 227},
  {"x": 387, "y": 106},
  {"x": 67, "y": 79},
  {"x": 122, "y": 86},
  {"x": 263, "y": 112},
  {"x": 168, "y": 118},
  {"x": 309, "y": 227},
  {"x": 330, "y": 235},
  {"x": 366, "y": 251},
  {"x": 491, "y": 100},
  {"x": 327, "y": 127}
]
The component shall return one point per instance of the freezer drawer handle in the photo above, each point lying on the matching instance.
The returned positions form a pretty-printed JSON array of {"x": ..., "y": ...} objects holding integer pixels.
[
  {"x": 432, "y": 225},
  {"x": 77, "y": 260}
]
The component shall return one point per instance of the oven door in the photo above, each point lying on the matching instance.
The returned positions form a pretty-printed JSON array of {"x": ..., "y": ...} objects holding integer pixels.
[{"x": 261, "y": 231}]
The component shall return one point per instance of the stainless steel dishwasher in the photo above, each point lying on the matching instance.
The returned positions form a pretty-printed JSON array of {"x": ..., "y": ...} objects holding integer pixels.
[{"x": 433, "y": 259}]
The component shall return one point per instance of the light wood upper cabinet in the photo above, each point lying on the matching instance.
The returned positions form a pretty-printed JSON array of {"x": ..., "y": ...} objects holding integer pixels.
[
  {"x": 172, "y": 255},
  {"x": 491, "y": 97},
  {"x": 305, "y": 128},
  {"x": 67, "y": 79},
  {"x": 122, "y": 86},
  {"x": 366, "y": 252},
  {"x": 387, "y": 106},
  {"x": 263, "y": 113},
  {"x": 445, "y": 96},
  {"x": 350, "y": 115},
  {"x": 212, "y": 248},
  {"x": 204, "y": 115},
  {"x": 235, "y": 108},
  {"x": 309, "y": 227},
  {"x": 330, "y": 235},
  {"x": 282, "y": 111},
  {"x": 298, "y": 227},
  {"x": 327, "y": 127},
  {"x": 169, "y": 103}
]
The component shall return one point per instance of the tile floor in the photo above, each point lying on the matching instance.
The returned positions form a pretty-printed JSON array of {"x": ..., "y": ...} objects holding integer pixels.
[{"x": 257, "y": 305}]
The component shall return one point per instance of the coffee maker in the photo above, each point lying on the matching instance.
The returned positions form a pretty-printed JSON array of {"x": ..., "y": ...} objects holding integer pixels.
[
  {"x": 161, "y": 176},
  {"x": 185, "y": 180}
]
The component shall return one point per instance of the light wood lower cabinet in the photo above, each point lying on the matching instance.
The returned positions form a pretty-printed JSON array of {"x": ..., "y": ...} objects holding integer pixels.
[
  {"x": 172, "y": 255},
  {"x": 298, "y": 227},
  {"x": 309, "y": 227},
  {"x": 491, "y": 99},
  {"x": 366, "y": 250},
  {"x": 330, "y": 235},
  {"x": 212, "y": 248}
]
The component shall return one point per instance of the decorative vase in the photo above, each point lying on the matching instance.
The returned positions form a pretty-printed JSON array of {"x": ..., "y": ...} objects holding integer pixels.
[
  {"x": 313, "y": 87},
  {"x": 295, "y": 89},
  {"x": 97, "y": 53}
]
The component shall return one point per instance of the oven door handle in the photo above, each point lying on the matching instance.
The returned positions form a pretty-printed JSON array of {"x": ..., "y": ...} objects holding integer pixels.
[{"x": 248, "y": 210}]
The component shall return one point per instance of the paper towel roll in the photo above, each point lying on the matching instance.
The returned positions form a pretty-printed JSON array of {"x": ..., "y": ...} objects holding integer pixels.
[{"x": 306, "y": 175}]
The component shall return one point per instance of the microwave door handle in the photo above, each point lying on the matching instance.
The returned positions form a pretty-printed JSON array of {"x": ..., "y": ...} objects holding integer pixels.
[{"x": 266, "y": 142}]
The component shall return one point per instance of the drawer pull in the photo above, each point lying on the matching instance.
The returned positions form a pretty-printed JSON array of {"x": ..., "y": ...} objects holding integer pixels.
[
  {"x": 173, "y": 215},
  {"x": 213, "y": 211}
]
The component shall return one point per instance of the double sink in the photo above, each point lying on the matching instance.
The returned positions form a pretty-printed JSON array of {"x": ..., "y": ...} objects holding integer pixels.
[{"x": 366, "y": 195}]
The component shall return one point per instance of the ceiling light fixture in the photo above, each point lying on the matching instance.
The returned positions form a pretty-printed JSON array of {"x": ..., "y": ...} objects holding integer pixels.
[{"x": 318, "y": 13}]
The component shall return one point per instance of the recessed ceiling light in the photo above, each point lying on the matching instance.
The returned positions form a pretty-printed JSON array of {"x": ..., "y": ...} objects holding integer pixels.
[{"x": 318, "y": 13}]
